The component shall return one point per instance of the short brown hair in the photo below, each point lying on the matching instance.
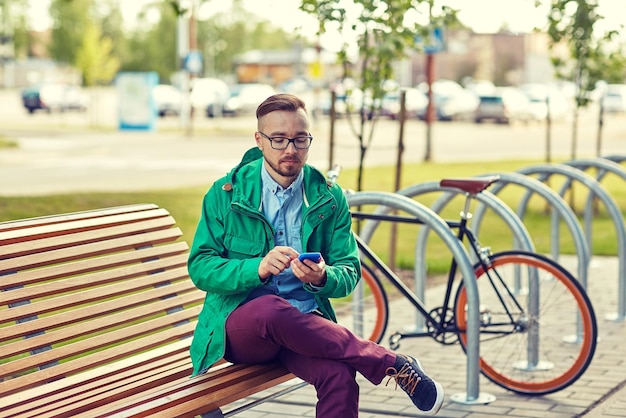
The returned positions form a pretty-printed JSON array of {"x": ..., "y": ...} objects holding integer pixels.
[{"x": 282, "y": 101}]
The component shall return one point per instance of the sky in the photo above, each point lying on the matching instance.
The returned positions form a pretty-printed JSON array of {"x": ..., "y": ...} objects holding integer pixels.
[{"x": 483, "y": 16}]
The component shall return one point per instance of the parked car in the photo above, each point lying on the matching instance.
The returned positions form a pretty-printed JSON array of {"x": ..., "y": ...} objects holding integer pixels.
[
  {"x": 415, "y": 101},
  {"x": 543, "y": 98},
  {"x": 451, "y": 100},
  {"x": 207, "y": 92},
  {"x": 345, "y": 102},
  {"x": 614, "y": 100},
  {"x": 167, "y": 99},
  {"x": 245, "y": 98},
  {"x": 51, "y": 97},
  {"x": 505, "y": 105}
]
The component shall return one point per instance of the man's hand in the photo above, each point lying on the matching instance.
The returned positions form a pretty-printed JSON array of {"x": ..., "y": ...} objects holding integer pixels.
[
  {"x": 309, "y": 271},
  {"x": 277, "y": 260}
]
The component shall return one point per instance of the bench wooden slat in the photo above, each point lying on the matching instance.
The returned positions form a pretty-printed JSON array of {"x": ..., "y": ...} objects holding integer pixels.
[
  {"x": 104, "y": 340},
  {"x": 64, "y": 318},
  {"x": 87, "y": 214},
  {"x": 98, "y": 358},
  {"x": 138, "y": 277},
  {"x": 89, "y": 264},
  {"x": 96, "y": 324},
  {"x": 53, "y": 252},
  {"x": 114, "y": 224},
  {"x": 103, "y": 392},
  {"x": 110, "y": 374},
  {"x": 190, "y": 398},
  {"x": 125, "y": 266}
]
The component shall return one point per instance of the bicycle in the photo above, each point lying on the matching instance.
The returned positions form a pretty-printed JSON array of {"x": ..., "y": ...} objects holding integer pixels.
[{"x": 527, "y": 303}]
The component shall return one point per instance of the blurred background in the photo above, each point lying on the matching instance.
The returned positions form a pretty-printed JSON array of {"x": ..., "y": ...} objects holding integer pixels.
[{"x": 484, "y": 60}]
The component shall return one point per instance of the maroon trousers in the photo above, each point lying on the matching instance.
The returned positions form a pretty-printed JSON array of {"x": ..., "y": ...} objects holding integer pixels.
[{"x": 318, "y": 351}]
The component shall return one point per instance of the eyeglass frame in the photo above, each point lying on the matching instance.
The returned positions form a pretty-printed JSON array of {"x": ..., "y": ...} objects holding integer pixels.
[{"x": 289, "y": 140}]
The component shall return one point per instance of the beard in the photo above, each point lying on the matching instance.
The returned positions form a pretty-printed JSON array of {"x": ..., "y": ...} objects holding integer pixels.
[{"x": 287, "y": 170}]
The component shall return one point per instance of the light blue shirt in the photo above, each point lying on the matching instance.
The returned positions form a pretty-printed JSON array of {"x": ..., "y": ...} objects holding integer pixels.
[{"x": 283, "y": 208}]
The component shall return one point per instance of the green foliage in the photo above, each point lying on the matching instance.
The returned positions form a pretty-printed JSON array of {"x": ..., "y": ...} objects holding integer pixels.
[
  {"x": 152, "y": 46},
  {"x": 94, "y": 58},
  {"x": 593, "y": 56},
  {"x": 228, "y": 34},
  {"x": 384, "y": 36},
  {"x": 7, "y": 142},
  {"x": 14, "y": 23},
  {"x": 70, "y": 20}
]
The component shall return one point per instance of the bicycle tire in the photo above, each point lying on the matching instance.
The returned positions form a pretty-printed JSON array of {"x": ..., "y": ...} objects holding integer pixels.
[
  {"x": 564, "y": 310},
  {"x": 366, "y": 311}
]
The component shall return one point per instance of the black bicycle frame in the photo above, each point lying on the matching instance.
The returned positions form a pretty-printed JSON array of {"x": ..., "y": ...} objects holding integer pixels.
[{"x": 438, "y": 326}]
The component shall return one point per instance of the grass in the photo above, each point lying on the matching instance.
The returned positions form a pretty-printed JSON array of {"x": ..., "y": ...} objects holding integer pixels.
[
  {"x": 184, "y": 204},
  {"x": 7, "y": 142}
]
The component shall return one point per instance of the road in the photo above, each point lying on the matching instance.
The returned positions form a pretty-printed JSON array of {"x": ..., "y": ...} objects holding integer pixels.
[{"x": 73, "y": 152}]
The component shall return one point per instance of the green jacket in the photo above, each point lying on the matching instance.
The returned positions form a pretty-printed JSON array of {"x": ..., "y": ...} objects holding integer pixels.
[{"x": 233, "y": 236}]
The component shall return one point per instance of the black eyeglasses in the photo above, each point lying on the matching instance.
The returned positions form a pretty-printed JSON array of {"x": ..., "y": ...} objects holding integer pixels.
[{"x": 282, "y": 142}]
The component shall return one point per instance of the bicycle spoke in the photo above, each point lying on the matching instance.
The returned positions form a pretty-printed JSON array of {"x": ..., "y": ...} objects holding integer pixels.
[{"x": 552, "y": 340}]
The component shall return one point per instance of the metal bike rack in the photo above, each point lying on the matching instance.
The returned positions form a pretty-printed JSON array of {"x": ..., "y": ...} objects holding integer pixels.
[
  {"x": 558, "y": 205},
  {"x": 485, "y": 197},
  {"x": 572, "y": 173},
  {"x": 615, "y": 158},
  {"x": 430, "y": 218},
  {"x": 603, "y": 166}
]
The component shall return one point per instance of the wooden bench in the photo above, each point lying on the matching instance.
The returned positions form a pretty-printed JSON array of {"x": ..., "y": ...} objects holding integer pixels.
[{"x": 96, "y": 317}]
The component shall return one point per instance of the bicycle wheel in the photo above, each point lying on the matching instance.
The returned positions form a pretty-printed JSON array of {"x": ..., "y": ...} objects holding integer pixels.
[
  {"x": 538, "y": 330},
  {"x": 366, "y": 310}
]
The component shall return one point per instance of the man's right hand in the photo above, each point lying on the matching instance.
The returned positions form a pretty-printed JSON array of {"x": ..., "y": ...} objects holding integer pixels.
[{"x": 278, "y": 259}]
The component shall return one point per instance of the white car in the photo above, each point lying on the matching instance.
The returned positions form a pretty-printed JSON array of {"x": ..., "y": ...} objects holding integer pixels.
[
  {"x": 451, "y": 100},
  {"x": 207, "y": 92},
  {"x": 415, "y": 103},
  {"x": 245, "y": 98},
  {"x": 543, "y": 98},
  {"x": 504, "y": 105},
  {"x": 167, "y": 99},
  {"x": 614, "y": 100}
]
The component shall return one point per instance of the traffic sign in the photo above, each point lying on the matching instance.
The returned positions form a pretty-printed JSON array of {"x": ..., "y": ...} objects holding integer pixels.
[
  {"x": 435, "y": 41},
  {"x": 193, "y": 62}
]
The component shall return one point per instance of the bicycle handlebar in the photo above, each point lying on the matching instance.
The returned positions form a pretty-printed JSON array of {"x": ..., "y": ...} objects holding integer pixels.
[{"x": 333, "y": 173}]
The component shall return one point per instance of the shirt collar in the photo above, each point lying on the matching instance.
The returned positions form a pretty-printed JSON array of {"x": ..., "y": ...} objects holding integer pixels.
[{"x": 271, "y": 185}]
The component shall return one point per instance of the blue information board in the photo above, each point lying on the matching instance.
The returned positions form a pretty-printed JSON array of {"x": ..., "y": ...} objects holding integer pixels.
[{"x": 136, "y": 107}]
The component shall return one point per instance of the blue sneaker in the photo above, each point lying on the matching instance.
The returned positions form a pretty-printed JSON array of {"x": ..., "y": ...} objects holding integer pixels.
[{"x": 426, "y": 394}]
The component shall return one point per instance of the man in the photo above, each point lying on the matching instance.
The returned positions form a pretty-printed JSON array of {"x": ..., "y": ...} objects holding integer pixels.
[{"x": 264, "y": 304}]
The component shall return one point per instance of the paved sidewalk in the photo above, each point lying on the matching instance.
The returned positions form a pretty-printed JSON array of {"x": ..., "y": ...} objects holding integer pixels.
[{"x": 600, "y": 392}]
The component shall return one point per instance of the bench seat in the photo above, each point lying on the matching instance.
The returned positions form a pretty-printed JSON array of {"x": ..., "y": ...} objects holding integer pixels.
[{"x": 96, "y": 316}]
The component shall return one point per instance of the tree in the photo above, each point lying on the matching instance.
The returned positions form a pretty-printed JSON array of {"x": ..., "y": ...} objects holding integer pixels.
[
  {"x": 13, "y": 26},
  {"x": 227, "y": 34},
  {"x": 385, "y": 31},
  {"x": 69, "y": 22},
  {"x": 94, "y": 58},
  {"x": 572, "y": 23},
  {"x": 152, "y": 46}
]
